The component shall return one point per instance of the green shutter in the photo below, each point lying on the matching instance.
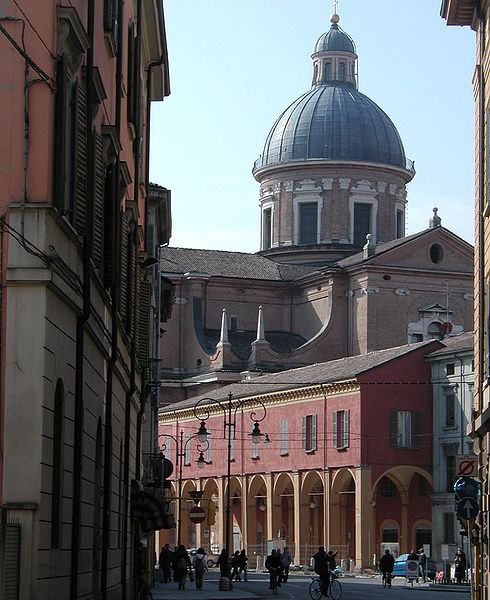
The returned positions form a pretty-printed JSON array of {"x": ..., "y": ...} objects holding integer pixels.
[
  {"x": 313, "y": 433},
  {"x": 60, "y": 167},
  {"x": 80, "y": 174},
  {"x": 123, "y": 277},
  {"x": 394, "y": 428},
  {"x": 109, "y": 226},
  {"x": 143, "y": 323},
  {"x": 303, "y": 433},
  {"x": 416, "y": 437},
  {"x": 335, "y": 434},
  {"x": 345, "y": 429},
  {"x": 99, "y": 189}
]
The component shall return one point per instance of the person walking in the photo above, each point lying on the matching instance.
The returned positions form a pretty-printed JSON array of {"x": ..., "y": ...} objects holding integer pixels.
[
  {"x": 286, "y": 561},
  {"x": 200, "y": 567},
  {"x": 165, "y": 564},
  {"x": 235, "y": 575},
  {"x": 423, "y": 564},
  {"x": 223, "y": 563},
  {"x": 280, "y": 578},
  {"x": 459, "y": 566},
  {"x": 242, "y": 564},
  {"x": 181, "y": 564}
]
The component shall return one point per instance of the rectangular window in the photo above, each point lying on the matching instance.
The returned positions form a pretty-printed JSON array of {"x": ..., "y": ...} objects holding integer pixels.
[
  {"x": 450, "y": 473},
  {"x": 340, "y": 422},
  {"x": 284, "y": 437},
  {"x": 267, "y": 228},
  {"x": 450, "y": 369},
  {"x": 309, "y": 433},
  {"x": 187, "y": 446},
  {"x": 405, "y": 429},
  {"x": 450, "y": 410},
  {"x": 448, "y": 528},
  {"x": 362, "y": 223},
  {"x": 400, "y": 229},
  {"x": 308, "y": 223}
]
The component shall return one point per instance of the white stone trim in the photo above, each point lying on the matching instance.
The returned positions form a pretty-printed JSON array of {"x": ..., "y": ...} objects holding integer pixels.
[{"x": 265, "y": 205}]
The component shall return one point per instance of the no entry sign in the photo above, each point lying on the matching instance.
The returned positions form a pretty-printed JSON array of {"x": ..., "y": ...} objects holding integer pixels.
[
  {"x": 466, "y": 465},
  {"x": 197, "y": 514}
]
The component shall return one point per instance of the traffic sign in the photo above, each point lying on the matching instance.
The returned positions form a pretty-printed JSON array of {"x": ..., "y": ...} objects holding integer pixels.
[
  {"x": 468, "y": 508},
  {"x": 466, "y": 465},
  {"x": 467, "y": 487},
  {"x": 197, "y": 514}
]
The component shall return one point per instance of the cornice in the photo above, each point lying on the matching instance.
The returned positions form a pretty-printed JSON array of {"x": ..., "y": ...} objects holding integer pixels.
[{"x": 289, "y": 396}]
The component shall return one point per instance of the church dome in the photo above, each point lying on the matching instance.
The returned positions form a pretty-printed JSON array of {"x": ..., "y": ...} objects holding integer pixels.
[
  {"x": 333, "y": 122},
  {"x": 335, "y": 40}
]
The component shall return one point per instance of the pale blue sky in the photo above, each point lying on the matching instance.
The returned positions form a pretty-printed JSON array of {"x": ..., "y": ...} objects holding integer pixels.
[{"x": 236, "y": 65}]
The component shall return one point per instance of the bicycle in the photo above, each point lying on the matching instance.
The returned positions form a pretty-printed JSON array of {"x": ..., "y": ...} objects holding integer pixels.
[
  {"x": 273, "y": 582},
  {"x": 334, "y": 589},
  {"x": 386, "y": 579}
]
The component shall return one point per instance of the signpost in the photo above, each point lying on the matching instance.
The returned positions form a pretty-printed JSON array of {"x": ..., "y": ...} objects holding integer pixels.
[
  {"x": 468, "y": 509},
  {"x": 412, "y": 570},
  {"x": 466, "y": 465},
  {"x": 197, "y": 514}
]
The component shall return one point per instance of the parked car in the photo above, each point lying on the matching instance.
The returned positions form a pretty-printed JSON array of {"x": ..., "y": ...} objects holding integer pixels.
[{"x": 400, "y": 568}]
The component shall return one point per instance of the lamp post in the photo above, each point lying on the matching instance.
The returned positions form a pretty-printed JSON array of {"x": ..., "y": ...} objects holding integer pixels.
[
  {"x": 229, "y": 408},
  {"x": 181, "y": 446}
]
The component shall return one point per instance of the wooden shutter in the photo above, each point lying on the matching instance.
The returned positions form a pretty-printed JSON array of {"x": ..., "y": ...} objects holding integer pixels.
[
  {"x": 60, "y": 167},
  {"x": 80, "y": 159},
  {"x": 313, "y": 433},
  {"x": 99, "y": 183},
  {"x": 345, "y": 429},
  {"x": 394, "y": 428},
  {"x": 109, "y": 226},
  {"x": 11, "y": 574},
  {"x": 335, "y": 433},
  {"x": 416, "y": 437},
  {"x": 133, "y": 281},
  {"x": 143, "y": 324},
  {"x": 123, "y": 279},
  {"x": 303, "y": 433}
]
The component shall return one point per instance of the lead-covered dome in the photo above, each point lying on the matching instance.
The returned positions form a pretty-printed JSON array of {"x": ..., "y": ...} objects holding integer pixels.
[
  {"x": 333, "y": 122},
  {"x": 335, "y": 40}
]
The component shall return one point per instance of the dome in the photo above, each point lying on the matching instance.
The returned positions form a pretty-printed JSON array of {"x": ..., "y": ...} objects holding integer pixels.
[
  {"x": 333, "y": 122},
  {"x": 335, "y": 40}
]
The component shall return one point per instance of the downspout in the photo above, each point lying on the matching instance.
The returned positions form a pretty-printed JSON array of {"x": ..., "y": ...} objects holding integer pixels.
[
  {"x": 106, "y": 521},
  {"x": 82, "y": 319}
]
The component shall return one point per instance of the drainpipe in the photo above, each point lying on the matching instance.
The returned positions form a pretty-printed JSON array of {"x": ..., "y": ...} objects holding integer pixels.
[
  {"x": 106, "y": 520},
  {"x": 82, "y": 319}
]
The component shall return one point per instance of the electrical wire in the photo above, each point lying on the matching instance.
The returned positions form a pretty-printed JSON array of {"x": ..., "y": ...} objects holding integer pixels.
[{"x": 34, "y": 29}]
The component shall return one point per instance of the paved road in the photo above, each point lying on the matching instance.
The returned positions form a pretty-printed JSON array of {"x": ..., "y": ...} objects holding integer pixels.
[{"x": 296, "y": 588}]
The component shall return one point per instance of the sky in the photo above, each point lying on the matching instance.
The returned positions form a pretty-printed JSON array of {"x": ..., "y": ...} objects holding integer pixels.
[{"x": 236, "y": 65}]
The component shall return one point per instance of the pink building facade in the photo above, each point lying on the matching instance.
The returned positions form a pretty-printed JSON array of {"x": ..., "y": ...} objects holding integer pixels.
[
  {"x": 76, "y": 83},
  {"x": 348, "y": 464}
]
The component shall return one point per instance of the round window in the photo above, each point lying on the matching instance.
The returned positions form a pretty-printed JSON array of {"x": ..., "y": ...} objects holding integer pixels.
[{"x": 435, "y": 253}]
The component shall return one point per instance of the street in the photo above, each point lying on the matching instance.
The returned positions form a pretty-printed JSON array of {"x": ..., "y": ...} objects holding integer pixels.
[{"x": 355, "y": 588}]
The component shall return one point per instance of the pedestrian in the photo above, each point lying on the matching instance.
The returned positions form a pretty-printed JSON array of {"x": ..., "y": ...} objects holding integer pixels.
[
  {"x": 242, "y": 564},
  {"x": 280, "y": 577},
  {"x": 285, "y": 563},
  {"x": 273, "y": 565},
  {"x": 165, "y": 564},
  {"x": 200, "y": 567},
  {"x": 423, "y": 564},
  {"x": 174, "y": 574},
  {"x": 459, "y": 566},
  {"x": 235, "y": 575},
  {"x": 321, "y": 569},
  {"x": 181, "y": 564},
  {"x": 223, "y": 563}
]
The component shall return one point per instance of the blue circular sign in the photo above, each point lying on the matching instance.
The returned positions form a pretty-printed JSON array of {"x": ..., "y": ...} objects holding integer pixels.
[{"x": 468, "y": 508}]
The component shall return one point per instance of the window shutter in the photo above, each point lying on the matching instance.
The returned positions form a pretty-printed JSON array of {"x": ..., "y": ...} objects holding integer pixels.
[
  {"x": 303, "y": 433},
  {"x": 80, "y": 174},
  {"x": 345, "y": 429},
  {"x": 123, "y": 280},
  {"x": 133, "y": 282},
  {"x": 60, "y": 166},
  {"x": 143, "y": 324},
  {"x": 109, "y": 225},
  {"x": 335, "y": 433},
  {"x": 394, "y": 428},
  {"x": 99, "y": 183},
  {"x": 416, "y": 439},
  {"x": 313, "y": 433}
]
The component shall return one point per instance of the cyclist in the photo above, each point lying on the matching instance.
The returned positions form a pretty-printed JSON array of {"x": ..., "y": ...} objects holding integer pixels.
[
  {"x": 273, "y": 565},
  {"x": 322, "y": 569},
  {"x": 386, "y": 565}
]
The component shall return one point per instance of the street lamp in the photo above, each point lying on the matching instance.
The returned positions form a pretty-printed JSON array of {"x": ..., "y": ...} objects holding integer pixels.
[
  {"x": 229, "y": 407},
  {"x": 181, "y": 446}
]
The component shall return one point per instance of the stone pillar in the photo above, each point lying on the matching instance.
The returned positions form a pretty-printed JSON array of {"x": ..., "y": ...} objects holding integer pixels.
[
  {"x": 364, "y": 518},
  {"x": 297, "y": 517},
  {"x": 270, "y": 506},
  {"x": 245, "y": 510}
]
